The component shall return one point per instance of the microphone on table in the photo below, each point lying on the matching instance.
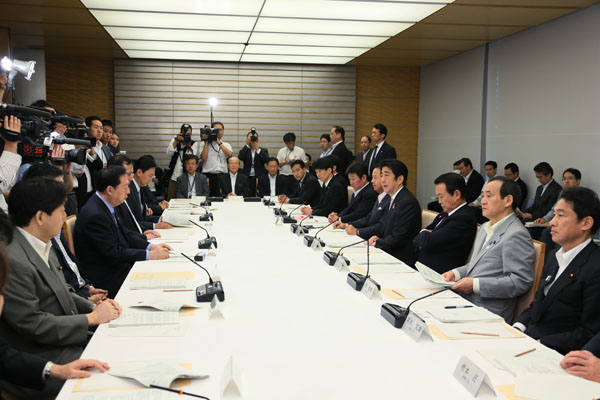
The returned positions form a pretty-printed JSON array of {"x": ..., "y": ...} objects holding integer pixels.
[
  {"x": 269, "y": 202},
  {"x": 308, "y": 240},
  {"x": 205, "y": 293},
  {"x": 209, "y": 241},
  {"x": 296, "y": 226},
  {"x": 279, "y": 211},
  {"x": 207, "y": 216},
  {"x": 288, "y": 219},
  {"x": 331, "y": 257},
  {"x": 356, "y": 280},
  {"x": 396, "y": 315}
]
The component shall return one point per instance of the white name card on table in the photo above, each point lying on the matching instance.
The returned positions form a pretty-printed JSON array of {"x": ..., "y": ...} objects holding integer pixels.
[
  {"x": 298, "y": 230},
  {"x": 415, "y": 327},
  {"x": 231, "y": 379},
  {"x": 316, "y": 244},
  {"x": 471, "y": 376},
  {"x": 370, "y": 289},
  {"x": 215, "y": 310},
  {"x": 278, "y": 220},
  {"x": 340, "y": 264}
]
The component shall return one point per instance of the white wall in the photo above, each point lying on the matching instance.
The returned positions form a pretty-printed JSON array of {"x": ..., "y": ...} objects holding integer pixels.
[
  {"x": 450, "y": 110},
  {"x": 543, "y": 102}
]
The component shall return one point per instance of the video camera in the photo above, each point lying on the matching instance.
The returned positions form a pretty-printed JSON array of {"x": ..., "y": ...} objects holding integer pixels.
[
  {"x": 253, "y": 135},
  {"x": 187, "y": 136},
  {"x": 208, "y": 134}
]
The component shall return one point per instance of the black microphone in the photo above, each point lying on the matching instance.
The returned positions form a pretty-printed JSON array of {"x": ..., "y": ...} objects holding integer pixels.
[
  {"x": 396, "y": 315},
  {"x": 209, "y": 241},
  {"x": 331, "y": 257},
  {"x": 207, "y": 216},
  {"x": 269, "y": 202},
  {"x": 205, "y": 293},
  {"x": 279, "y": 211},
  {"x": 288, "y": 219},
  {"x": 356, "y": 280},
  {"x": 308, "y": 240},
  {"x": 296, "y": 226}
]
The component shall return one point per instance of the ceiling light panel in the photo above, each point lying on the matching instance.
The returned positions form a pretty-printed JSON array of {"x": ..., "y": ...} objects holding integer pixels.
[
  {"x": 291, "y": 25},
  {"x": 229, "y": 7},
  {"x": 315, "y": 40},
  {"x": 175, "y": 55},
  {"x": 181, "y": 46},
  {"x": 304, "y": 50},
  {"x": 176, "y": 35},
  {"x": 270, "y": 58}
]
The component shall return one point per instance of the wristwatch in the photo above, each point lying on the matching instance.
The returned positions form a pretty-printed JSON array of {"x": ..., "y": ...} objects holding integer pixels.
[{"x": 47, "y": 369}]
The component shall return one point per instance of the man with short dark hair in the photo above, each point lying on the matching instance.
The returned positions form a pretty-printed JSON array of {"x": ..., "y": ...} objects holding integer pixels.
[
  {"x": 100, "y": 150},
  {"x": 334, "y": 196},
  {"x": 254, "y": 158},
  {"x": 339, "y": 149},
  {"x": 363, "y": 198},
  {"x": 107, "y": 131},
  {"x": 447, "y": 241},
  {"x": 565, "y": 314},
  {"x": 305, "y": 189},
  {"x": 271, "y": 184},
  {"x": 365, "y": 146},
  {"x": 214, "y": 158},
  {"x": 287, "y": 155},
  {"x": 234, "y": 183},
  {"x": 473, "y": 179},
  {"x": 192, "y": 182},
  {"x": 491, "y": 169},
  {"x": 382, "y": 150},
  {"x": 325, "y": 145},
  {"x": 501, "y": 266},
  {"x": 545, "y": 194},
  {"x": 511, "y": 171},
  {"x": 106, "y": 249},
  {"x": 404, "y": 220}
]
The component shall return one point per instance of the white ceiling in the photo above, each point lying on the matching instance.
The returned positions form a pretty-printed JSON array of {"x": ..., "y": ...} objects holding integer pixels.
[{"x": 277, "y": 31}]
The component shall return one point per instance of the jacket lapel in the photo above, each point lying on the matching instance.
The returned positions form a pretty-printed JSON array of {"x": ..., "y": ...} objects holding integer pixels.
[{"x": 494, "y": 240}]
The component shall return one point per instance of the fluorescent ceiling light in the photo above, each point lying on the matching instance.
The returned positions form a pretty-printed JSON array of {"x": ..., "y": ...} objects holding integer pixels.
[
  {"x": 301, "y": 39},
  {"x": 304, "y": 50},
  {"x": 181, "y": 46},
  {"x": 174, "y": 55},
  {"x": 290, "y": 25},
  {"x": 228, "y": 7},
  {"x": 269, "y": 58},
  {"x": 182, "y": 35}
]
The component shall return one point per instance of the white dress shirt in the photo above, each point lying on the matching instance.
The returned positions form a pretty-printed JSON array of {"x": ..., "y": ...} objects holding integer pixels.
[
  {"x": 178, "y": 169},
  {"x": 233, "y": 179},
  {"x": 41, "y": 248},
  {"x": 272, "y": 185},
  {"x": 296, "y": 154},
  {"x": 216, "y": 161}
]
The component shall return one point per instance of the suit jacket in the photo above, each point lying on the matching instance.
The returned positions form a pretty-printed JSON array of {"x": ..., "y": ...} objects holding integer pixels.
[
  {"x": 474, "y": 186},
  {"x": 334, "y": 197},
  {"x": 373, "y": 223},
  {"x": 151, "y": 200},
  {"x": 106, "y": 251},
  {"x": 346, "y": 157},
  {"x": 241, "y": 185},
  {"x": 139, "y": 210},
  {"x": 402, "y": 224},
  {"x": 524, "y": 191},
  {"x": 183, "y": 186},
  {"x": 359, "y": 157},
  {"x": 260, "y": 160},
  {"x": 107, "y": 152},
  {"x": 593, "y": 346},
  {"x": 68, "y": 273},
  {"x": 386, "y": 152},
  {"x": 543, "y": 204},
  {"x": 569, "y": 316},
  {"x": 310, "y": 193},
  {"x": 129, "y": 223},
  {"x": 450, "y": 241},
  {"x": 504, "y": 267},
  {"x": 21, "y": 368},
  {"x": 264, "y": 186},
  {"x": 41, "y": 314},
  {"x": 360, "y": 204}
]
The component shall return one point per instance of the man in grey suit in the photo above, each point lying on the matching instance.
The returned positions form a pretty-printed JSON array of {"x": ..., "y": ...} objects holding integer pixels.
[
  {"x": 43, "y": 316},
  {"x": 501, "y": 267},
  {"x": 191, "y": 183}
]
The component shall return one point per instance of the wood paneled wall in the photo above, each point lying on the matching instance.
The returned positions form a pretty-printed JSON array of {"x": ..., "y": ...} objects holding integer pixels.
[
  {"x": 390, "y": 95},
  {"x": 81, "y": 86}
]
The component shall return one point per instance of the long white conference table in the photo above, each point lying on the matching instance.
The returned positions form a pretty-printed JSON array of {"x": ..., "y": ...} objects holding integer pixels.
[{"x": 292, "y": 328}]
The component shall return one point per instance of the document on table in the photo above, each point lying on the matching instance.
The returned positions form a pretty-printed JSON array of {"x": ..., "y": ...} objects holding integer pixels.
[
  {"x": 162, "y": 304},
  {"x": 171, "y": 330},
  {"x": 176, "y": 283},
  {"x": 474, "y": 331},
  {"x": 432, "y": 276},
  {"x": 176, "y": 234},
  {"x": 442, "y": 314},
  {"x": 176, "y": 219},
  {"x": 153, "y": 372},
  {"x": 163, "y": 275},
  {"x": 555, "y": 387},
  {"x": 382, "y": 269},
  {"x": 541, "y": 361},
  {"x": 145, "y": 394},
  {"x": 374, "y": 258},
  {"x": 415, "y": 293},
  {"x": 137, "y": 318}
]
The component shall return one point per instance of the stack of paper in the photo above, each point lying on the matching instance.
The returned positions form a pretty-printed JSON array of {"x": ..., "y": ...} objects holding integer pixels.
[
  {"x": 439, "y": 311},
  {"x": 555, "y": 387},
  {"x": 176, "y": 283},
  {"x": 163, "y": 304},
  {"x": 159, "y": 372},
  {"x": 137, "y": 318},
  {"x": 474, "y": 331},
  {"x": 542, "y": 360},
  {"x": 374, "y": 258},
  {"x": 432, "y": 276},
  {"x": 177, "y": 217}
]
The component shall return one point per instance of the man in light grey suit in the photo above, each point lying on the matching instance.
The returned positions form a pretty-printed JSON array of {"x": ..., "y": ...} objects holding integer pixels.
[
  {"x": 191, "y": 183},
  {"x": 501, "y": 267},
  {"x": 42, "y": 315}
]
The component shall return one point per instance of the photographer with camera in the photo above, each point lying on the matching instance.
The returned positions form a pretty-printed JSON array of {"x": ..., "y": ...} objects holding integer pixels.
[
  {"x": 180, "y": 146},
  {"x": 214, "y": 156},
  {"x": 254, "y": 158},
  {"x": 287, "y": 155}
]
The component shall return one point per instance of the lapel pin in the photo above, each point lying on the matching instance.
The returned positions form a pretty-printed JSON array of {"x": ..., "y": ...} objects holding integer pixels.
[{"x": 572, "y": 275}]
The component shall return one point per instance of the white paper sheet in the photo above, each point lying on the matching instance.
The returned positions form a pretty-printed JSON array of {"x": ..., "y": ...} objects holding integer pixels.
[
  {"x": 541, "y": 361},
  {"x": 139, "y": 284},
  {"x": 432, "y": 276},
  {"x": 153, "y": 372},
  {"x": 162, "y": 304},
  {"x": 136, "y": 318},
  {"x": 555, "y": 387}
]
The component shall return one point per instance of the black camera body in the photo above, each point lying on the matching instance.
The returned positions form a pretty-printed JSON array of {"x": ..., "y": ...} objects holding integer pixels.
[
  {"x": 208, "y": 134},
  {"x": 253, "y": 135}
]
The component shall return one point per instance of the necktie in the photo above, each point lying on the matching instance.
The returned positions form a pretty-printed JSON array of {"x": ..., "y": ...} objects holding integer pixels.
[
  {"x": 444, "y": 218},
  {"x": 373, "y": 157},
  {"x": 551, "y": 277}
]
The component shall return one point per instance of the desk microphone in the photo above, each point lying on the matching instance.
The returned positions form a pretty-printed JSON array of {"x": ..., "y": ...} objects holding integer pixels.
[
  {"x": 396, "y": 315},
  {"x": 295, "y": 226},
  {"x": 205, "y": 293},
  {"x": 331, "y": 257},
  {"x": 279, "y": 211},
  {"x": 207, "y": 216},
  {"x": 288, "y": 219},
  {"x": 309, "y": 239},
  {"x": 209, "y": 241},
  {"x": 269, "y": 202},
  {"x": 356, "y": 280}
]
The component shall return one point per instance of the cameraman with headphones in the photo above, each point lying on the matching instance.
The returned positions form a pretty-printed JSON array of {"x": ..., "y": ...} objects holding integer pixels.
[
  {"x": 254, "y": 158},
  {"x": 180, "y": 145},
  {"x": 214, "y": 156}
]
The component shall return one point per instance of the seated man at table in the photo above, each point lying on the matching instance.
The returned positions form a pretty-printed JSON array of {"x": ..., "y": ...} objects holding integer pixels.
[
  {"x": 192, "y": 183},
  {"x": 305, "y": 189},
  {"x": 43, "y": 316},
  {"x": 363, "y": 198},
  {"x": 404, "y": 220},
  {"x": 372, "y": 223},
  {"x": 545, "y": 194},
  {"x": 448, "y": 240},
  {"x": 334, "y": 195},
  {"x": 585, "y": 362},
  {"x": 272, "y": 183},
  {"x": 107, "y": 250},
  {"x": 565, "y": 314},
  {"x": 233, "y": 183},
  {"x": 501, "y": 266}
]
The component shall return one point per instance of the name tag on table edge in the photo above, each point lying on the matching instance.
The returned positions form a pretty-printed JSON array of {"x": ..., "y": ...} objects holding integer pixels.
[
  {"x": 340, "y": 263},
  {"x": 370, "y": 289},
  {"x": 471, "y": 377},
  {"x": 316, "y": 244},
  {"x": 415, "y": 327},
  {"x": 215, "y": 310}
]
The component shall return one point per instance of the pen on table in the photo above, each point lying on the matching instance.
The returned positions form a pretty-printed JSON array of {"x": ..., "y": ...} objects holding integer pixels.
[
  {"x": 480, "y": 333},
  {"x": 178, "y": 391},
  {"x": 178, "y": 290},
  {"x": 452, "y": 307},
  {"x": 525, "y": 352},
  {"x": 398, "y": 293}
]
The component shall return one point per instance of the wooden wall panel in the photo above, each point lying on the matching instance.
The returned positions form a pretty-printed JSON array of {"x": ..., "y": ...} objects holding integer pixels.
[
  {"x": 81, "y": 86},
  {"x": 390, "y": 95}
]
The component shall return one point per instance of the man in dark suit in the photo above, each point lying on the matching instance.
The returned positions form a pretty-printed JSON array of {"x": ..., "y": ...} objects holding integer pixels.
[
  {"x": 363, "y": 198},
  {"x": 473, "y": 179},
  {"x": 334, "y": 195},
  {"x": 42, "y": 315},
  {"x": 191, "y": 183},
  {"x": 365, "y": 146},
  {"x": 382, "y": 150},
  {"x": 339, "y": 149},
  {"x": 511, "y": 171},
  {"x": 254, "y": 158},
  {"x": 105, "y": 248},
  {"x": 565, "y": 314},
  {"x": 447, "y": 241},
  {"x": 372, "y": 223},
  {"x": 306, "y": 188},
  {"x": 545, "y": 194},
  {"x": 404, "y": 220},
  {"x": 271, "y": 183},
  {"x": 234, "y": 183}
]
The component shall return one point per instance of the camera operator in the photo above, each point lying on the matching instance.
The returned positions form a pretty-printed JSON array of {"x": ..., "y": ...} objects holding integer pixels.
[
  {"x": 254, "y": 158},
  {"x": 180, "y": 145},
  {"x": 214, "y": 157},
  {"x": 10, "y": 160}
]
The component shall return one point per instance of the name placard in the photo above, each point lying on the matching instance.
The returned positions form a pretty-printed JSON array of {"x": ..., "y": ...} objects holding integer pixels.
[
  {"x": 215, "y": 310},
  {"x": 370, "y": 289},
  {"x": 471, "y": 376},
  {"x": 414, "y": 326},
  {"x": 316, "y": 244},
  {"x": 340, "y": 263}
]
